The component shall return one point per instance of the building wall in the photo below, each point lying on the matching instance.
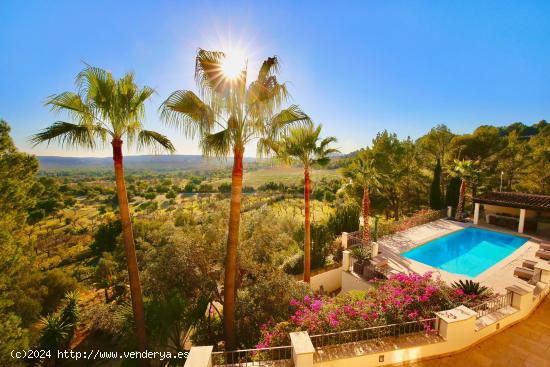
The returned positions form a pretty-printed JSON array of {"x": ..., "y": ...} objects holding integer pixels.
[
  {"x": 330, "y": 280},
  {"x": 353, "y": 282},
  {"x": 494, "y": 209}
]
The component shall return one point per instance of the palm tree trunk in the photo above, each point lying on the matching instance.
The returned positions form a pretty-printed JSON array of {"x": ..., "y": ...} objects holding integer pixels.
[
  {"x": 129, "y": 247},
  {"x": 460, "y": 206},
  {"x": 230, "y": 289},
  {"x": 366, "y": 208},
  {"x": 307, "y": 226}
]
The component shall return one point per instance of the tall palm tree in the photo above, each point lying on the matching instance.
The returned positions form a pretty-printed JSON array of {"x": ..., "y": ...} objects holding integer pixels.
[
  {"x": 363, "y": 172},
  {"x": 468, "y": 172},
  {"x": 101, "y": 108},
  {"x": 304, "y": 146},
  {"x": 229, "y": 114}
]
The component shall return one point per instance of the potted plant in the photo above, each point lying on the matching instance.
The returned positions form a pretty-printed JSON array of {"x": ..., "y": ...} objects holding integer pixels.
[{"x": 362, "y": 256}]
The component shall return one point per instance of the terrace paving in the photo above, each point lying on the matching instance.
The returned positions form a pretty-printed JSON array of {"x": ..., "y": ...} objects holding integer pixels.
[{"x": 526, "y": 344}]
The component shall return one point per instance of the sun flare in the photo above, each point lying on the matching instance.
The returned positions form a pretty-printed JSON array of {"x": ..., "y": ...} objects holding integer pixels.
[{"x": 233, "y": 64}]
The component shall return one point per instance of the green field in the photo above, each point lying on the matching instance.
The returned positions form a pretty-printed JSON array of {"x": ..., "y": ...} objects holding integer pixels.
[{"x": 282, "y": 174}]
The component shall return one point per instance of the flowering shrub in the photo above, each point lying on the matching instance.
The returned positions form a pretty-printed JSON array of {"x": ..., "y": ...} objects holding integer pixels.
[
  {"x": 400, "y": 298},
  {"x": 420, "y": 217}
]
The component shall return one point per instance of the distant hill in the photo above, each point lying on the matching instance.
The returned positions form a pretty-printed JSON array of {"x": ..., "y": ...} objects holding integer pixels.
[{"x": 136, "y": 162}]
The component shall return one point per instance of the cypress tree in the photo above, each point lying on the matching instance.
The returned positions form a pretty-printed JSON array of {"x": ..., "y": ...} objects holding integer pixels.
[{"x": 435, "y": 189}]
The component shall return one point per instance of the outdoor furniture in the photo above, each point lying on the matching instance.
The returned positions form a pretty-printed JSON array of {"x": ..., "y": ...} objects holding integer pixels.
[
  {"x": 545, "y": 246},
  {"x": 379, "y": 261},
  {"x": 543, "y": 254},
  {"x": 524, "y": 273},
  {"x": 529, "y": 264},
  {"x": 503, "y": 220}
]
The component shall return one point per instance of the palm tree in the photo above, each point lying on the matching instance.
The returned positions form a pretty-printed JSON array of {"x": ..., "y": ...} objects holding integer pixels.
[
  {"x": 103, "y": 107},
  {"x": 363, "y": 172},
  {"x": 468, "y": 172},
  {"x": 303, "y": 146},
  {"x": 230, "y": 114},
  {"x": 55, "y": 335}
]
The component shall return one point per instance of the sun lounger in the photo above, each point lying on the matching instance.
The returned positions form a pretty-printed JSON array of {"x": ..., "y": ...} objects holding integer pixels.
[
  {"x": 524, "y": 273},
  {"x": 543, "y": 254},
  {"x": 379, "y": 261},
  {"x": 529, "y": 264},
  {"x": 545, "y": 246}
]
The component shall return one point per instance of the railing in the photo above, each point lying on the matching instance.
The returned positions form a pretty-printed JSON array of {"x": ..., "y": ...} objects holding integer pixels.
[
  {"x": 375, "y": 332},
  {"x": 493, "y": 305},
  {"x": 253, "y": 357},
  {"x": 369, "y": 271},
  {"x": 355, "y": 239}
]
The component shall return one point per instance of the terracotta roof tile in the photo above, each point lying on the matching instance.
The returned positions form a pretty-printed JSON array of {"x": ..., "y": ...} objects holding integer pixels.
[{"x": 515, "y": 200}]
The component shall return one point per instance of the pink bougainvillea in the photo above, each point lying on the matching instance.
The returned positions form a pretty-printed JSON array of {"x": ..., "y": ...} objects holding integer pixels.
[{"x": 400, "y": 298}]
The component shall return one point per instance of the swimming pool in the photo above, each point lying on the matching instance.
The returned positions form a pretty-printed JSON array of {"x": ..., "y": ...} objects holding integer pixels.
[{"x": 468, "y": 252}]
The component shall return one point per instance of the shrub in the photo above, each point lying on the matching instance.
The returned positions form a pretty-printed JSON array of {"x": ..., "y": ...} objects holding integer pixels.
[
  {"x": 105, "y": 239},
  {"x": 190, "y": 187},
  {"x": 150, "y": 195},
  {"x": 224, "y": 187},
  {"x": 183, "y": 219},
  {"x": 470, "y": 287},
  {"x": 58, "y": 283},
  {"x": 205, "y": 188},
  {"x": 401, "y": 298},
  {"x": 248, "y": 189}
]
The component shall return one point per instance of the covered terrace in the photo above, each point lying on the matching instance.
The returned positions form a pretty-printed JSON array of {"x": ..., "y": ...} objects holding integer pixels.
[{"x": 514, "y": 210}]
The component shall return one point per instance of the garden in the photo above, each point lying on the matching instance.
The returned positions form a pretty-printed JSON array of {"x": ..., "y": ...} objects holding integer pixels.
[{"x": 400, "y": 299}]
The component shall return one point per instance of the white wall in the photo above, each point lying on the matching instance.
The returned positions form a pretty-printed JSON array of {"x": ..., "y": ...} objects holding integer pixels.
[
  {"x": 353, "y": 282},
  {"x": 330, "y": 280}
]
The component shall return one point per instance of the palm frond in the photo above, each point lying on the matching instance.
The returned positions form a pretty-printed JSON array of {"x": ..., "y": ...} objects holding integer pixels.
[
  {"x": 185, "y": 110},
  {"x": 269, "y": 67},
  {"x": 264, "y": 96},
  {"x": 71, "y": 103},
  {"x": 363, "y": 171},
  {"x": 326, "y": 142},
  {"x": 209, "y": 73},
  {"x": 68, "y": 134},
  {"x": 154, "y": 140},
  {"x": 217, "y": 144},
  {"x": 290, "y": 116},
  {"x": 267, "y": 146}
]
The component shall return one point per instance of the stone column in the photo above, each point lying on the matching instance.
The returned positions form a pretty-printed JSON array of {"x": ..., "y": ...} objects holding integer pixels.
[
  {"x": 522, "y": 299},
  {"x": 476, "y": 213},
  {"x": 199, "y": 357},
  {"x": 544, "y": 269},
  {"x": 457, "y": 326},
  {"x": 346, "y": 260},
  {"x": 521, "y": 220},
  {"x": 344, "y": 240},
  {"x": 375, "y": 249},
  {"x": 302, "y": 349}
]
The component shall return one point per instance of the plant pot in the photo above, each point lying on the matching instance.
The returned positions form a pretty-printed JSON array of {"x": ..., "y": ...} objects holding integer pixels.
[{"x": 358, "y": 267}]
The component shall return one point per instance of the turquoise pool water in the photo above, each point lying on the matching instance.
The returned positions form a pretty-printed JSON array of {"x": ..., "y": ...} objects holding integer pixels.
[{"x": 468, "y": 252}]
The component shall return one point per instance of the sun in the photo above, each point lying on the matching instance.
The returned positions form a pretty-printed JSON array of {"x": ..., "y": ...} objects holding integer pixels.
[{"x": 233, "y": 64}]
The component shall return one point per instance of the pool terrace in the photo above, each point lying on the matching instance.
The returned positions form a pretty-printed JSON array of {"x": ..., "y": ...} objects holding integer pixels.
[{"x": 499, "y": 276}]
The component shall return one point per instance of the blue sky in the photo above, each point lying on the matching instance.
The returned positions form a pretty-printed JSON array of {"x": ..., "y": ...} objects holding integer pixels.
[{"x": 356, "y": 67}]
